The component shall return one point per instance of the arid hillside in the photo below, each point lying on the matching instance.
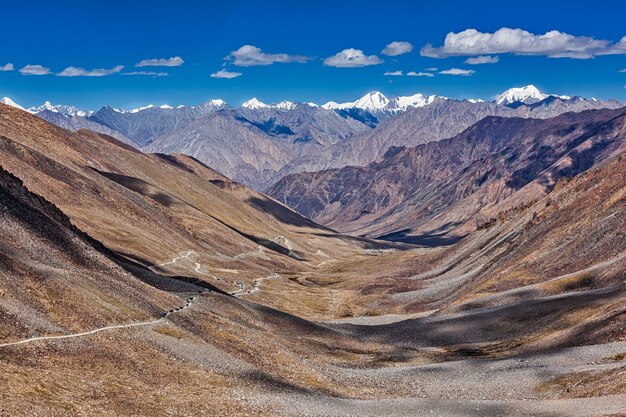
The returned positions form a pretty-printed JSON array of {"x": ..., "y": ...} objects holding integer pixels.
[
  {"x": 165, "y": 212},
  {"x": 436, "y": 192},
  {"x": 148, "y": 284},
  {"x": 55, "y": 278}
]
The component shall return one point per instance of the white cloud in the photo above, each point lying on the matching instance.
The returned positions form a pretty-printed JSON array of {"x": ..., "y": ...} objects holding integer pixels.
[
  {"x": 553, "y": 44},
  {"x": 34, "y": 70},
  {"x": 225, "y": 74},
  {"x": 7, "y": 67},
  {"x": 457, "y": 71},
  {"x": 624, "y": 70},
  {"x": 148, "y": 73},
  {"x": 249, "y": 55},
  {"x": 420, "y": 74},
  {"x": 351, "y": 58},
  {"x": 82, "y": 72},
  {"x": 394, "y": 73},
  {"x": 431, "y": 69},
  {"x": 174, "y": 61},
  {"x": 482, "y": 59},
  {"x": 397, "y": 48}
]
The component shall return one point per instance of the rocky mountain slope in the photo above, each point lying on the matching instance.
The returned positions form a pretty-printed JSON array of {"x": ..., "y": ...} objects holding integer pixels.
[
  {"x": 290, "y": 137},
  {"x": 425, "y": 192},
  {"x": 251, "y": 145},
  {"x": 54, "y": 278},
  {"x": 441, "y": 119},
  {"x": 129, "y": 200},
  {"x": 525, "y": 316}
]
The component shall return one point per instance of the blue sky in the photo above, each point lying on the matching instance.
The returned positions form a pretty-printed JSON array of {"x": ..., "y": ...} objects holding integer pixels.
[{"x": 105, "y": 35}]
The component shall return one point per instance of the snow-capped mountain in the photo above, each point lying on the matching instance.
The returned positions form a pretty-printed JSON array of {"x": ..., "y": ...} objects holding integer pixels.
[
  {"x": 530, "y": 95},
  {"x": 527, "y": 95},
  {"x": 218, "y": 102},
  {"x": 254, "y": 103},
  {"x": 305, "y": 135},
  {"x": 371, "y": 101},
  {"x": 149, "y": 106},
  {"x": 376, "y": 102},
  {"x": 9, "y": 102},
  {"x": 404, "y": 102},
  {"x": 138, "y": 109},
  {"x": 285, "y": 105},
  {"x": 63, "y": 109}
]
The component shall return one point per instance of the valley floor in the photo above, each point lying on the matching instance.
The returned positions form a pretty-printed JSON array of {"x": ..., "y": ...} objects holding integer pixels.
[{"x": 180, "y": 371}]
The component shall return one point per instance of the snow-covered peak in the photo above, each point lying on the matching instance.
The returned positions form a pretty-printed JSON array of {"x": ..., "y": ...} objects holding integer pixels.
[
  {"x": 253, "y": 103},
  {"x": 376, "y": 101},
  {"x": 372, "y": 101},
  {"x": 527, "y": 95},
  {"x": 48, "y": 106},
  {"x": 211, "y": 105},
  {"x": 165, "y": 106},
  {"x": 138, "y": 109},
  {"x": 332, "y": 105},
  {"x": 61, "y": 109},
  {"x": 311, "y": 104},
  {"x": 9, "y": 102},
  {"x": 404, "y": 102},
  {"x": 475, "y": 100},
  {"x": 285, "y": 105},
  {"x": 217, "y": 102}
]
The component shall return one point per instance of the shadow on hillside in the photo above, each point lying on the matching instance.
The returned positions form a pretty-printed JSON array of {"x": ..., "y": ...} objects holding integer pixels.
[
  {"x": 435, "y": 238},
  {"x": 139, "y": 267},
  {"x": 496, "y": 330},
  {"x": 368, "y": 243},
  {"x": 170, "y": 159},
  {"x": 139, "y": 186},
  {"x": 282, "y": 213}
]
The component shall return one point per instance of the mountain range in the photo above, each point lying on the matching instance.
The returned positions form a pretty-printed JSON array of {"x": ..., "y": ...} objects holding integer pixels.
[
  {"x": 258, "y": 144},
  {"x": 136, "y": 283},
  {"x": 440, "y": 189}
]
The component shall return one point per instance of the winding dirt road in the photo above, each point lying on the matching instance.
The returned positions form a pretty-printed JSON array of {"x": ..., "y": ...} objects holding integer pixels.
[
  {"x": 185, "y": 255},
  {"x": 241, "y": 287},
  {"x": 257, "y": 283},
  {"x": 188, "y": 304}
]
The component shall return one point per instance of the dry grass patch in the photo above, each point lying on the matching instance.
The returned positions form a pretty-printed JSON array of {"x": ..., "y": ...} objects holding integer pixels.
[
  {"x": 569, "y": 282},
  {"x": 497, "y": 283},
  {"x": 586, "y": 384},
  {"x": 168, "y": 330}
]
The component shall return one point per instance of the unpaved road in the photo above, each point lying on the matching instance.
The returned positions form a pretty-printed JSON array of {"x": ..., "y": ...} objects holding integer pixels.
[
  {"x": 188, "y": 304},
  {"x": 185, "y": 255},
  {"x": 257, "y": 284},
  {"x": 241, "y": 287}
]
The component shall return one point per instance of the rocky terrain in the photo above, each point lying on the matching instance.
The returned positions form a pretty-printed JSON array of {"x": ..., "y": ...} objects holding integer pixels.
[
  {"x": 150, "y": 284},
  {"x": 258, "y": 144},
  {"x": 439, "y": 191}
]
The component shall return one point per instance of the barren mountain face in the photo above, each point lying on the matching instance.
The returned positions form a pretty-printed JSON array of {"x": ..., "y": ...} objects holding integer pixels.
[
  {"x": 258, "y": 144},
  {"x": 139, "y": 283},
  {"x": 439, "y": 187}
]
